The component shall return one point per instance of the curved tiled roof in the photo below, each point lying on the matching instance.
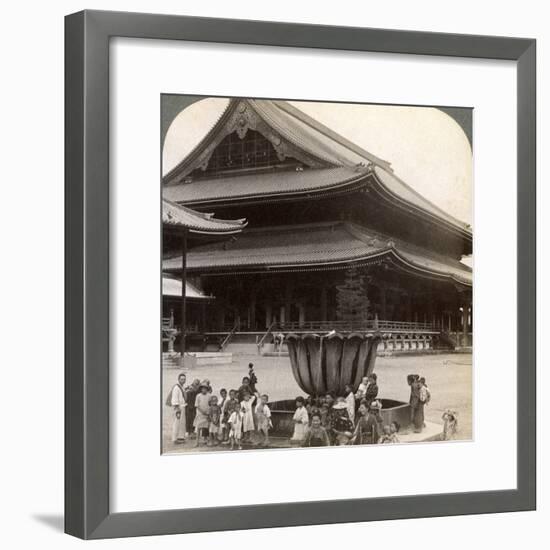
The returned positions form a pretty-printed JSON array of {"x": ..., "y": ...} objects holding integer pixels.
[
  {"x": 171, "y": 286},
  {"x": 403, "y": 192},
  {"x": 271, "y": 183},
  {"x": 312, "y": 136},
  {"x": 320, "y": 246},
  {"x": 340, "y": 156},
  {"x": 179, "y": 216}
]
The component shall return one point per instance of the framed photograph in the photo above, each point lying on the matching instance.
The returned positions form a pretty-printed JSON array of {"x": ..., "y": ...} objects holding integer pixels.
[{"x": 300, "y": 274}]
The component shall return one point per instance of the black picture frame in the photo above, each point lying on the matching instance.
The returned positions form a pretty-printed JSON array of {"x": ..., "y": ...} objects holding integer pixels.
[{"x": 87, "y": 35}]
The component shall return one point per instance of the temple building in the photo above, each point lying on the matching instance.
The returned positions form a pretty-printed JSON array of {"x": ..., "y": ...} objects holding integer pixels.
[
  {"x": 183, "y": 228},
  {"x": 316, "y": 204}
]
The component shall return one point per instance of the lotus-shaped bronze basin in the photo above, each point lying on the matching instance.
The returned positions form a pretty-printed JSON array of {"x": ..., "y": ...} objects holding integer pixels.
[{"x": 327, "y": 363}]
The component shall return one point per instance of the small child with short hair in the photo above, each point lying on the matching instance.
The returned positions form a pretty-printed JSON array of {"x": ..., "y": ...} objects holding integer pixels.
[
  {"x": 227, "y": 408},
  {"x": 450, "y": 425},
  {"x": 350, "y": 402},
  {"x": 214, "y": 428},
  {"x": 248, "y": 416},
  {"x": 425, "y": 394},
  {"x": 389, "y": 434},
  {"x": 263, "y": 417},
  {"x": 362, "y": 390},
  {"x": 202, "y": 408},
  {"x": 252, "y": 377},
  {"x": 235, "y": 422},
  {"x": 300, "y": 419}
]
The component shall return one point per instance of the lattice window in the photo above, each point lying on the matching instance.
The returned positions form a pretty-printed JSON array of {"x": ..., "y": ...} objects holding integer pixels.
[{"x": 234, "y": 153}]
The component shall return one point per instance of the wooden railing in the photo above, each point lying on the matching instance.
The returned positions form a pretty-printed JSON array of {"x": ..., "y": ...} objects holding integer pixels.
[
  {"x": 349, "y": 326},
  {"x": 225, "y": 341},
  {"x": 264, "y": 337}
]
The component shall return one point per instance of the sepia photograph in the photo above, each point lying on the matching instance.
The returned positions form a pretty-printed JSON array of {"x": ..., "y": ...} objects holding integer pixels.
[{"x": 317, "y": 274}]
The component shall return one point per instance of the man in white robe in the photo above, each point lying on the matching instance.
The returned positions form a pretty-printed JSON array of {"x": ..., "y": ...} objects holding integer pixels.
[{"x": 178, "y": 405}]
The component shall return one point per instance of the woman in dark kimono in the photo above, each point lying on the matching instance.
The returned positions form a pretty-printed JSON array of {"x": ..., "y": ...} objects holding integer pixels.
[
  {"x": 369, "y": 427},
  {"x": 371, "y": 392},
  {"x": 417, "y": 408}
]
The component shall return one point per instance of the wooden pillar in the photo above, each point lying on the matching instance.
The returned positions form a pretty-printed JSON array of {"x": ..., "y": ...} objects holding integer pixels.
[
  {"x": 203, "y": 317},
  {"x": 268, "y": 314},
  {"x": 465, "y": 324},
  {"x": 170, "y": 336},
  {"x": 301, "y": 314},
  {"x": 183, "y": 304},
  {"x": 288, "y": 299},
  {"x": 383, "y": 311},
  {"x": 409, "y": 308},
  {"x": 253, "y": 309},
  {"x": 324, "y": 303}
]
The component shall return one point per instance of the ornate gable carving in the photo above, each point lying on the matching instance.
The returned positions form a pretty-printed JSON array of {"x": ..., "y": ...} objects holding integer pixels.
[{"x": 241, "y": 119}]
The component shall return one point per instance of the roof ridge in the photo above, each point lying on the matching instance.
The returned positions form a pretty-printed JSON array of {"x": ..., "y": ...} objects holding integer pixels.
[
  {"x": 461, "y": 223},
  {"x": 356, "y": 231},
  {"x": 204, "y": 215},
  {"x": 330, "y": 133}
]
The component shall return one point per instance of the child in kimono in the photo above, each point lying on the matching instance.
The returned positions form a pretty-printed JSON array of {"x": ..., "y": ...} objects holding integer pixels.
[
  {"x": 301, "y": 421},
  {"x": 227, "y": 408},
  {"x": 316, "y": 435},
  {"x": 248, "y": 416},
  {"x": 424, "y": 394},
  {"x": 263, "y": 418},
  {"x": 309, "y": 406},
  {"x": 202, "y": 408},
  {"x": 371, "y": 393},
  {"x": 342, "y": 426},
  {"x": 223, "y": 398},
  {"x": 252, "y": 377},
  {"x": 450, "y": 425},
  {"x": 214, "y": 416},
  {"x": 235, "y": 423},
  {"x": 360, "y": 435},
  {"x": 350, "y": 402},
  {"x": 362, "y": 389},
  {"x": 388, "y": 436}
]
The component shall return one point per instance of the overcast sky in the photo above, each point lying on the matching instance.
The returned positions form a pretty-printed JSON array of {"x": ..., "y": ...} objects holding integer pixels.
[{"x": 426, "y": 147}]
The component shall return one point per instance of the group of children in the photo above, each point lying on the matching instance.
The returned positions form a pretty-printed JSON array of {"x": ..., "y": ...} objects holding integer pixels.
[
  {"x": 233, "y": 417},
  {"x": 354, "y": 418},
  {"x": 229, "y": 419}
]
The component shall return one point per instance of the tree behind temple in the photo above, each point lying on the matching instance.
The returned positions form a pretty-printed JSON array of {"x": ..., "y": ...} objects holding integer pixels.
[{"x": 352, "y": 302}]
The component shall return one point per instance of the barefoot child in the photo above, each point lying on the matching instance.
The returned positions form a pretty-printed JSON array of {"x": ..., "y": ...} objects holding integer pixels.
[
  {"x": 202, "y": 408},
  {"x": 263, "y": 418},
  {"x": 214, "y": 428},
  {"x": 388, "y": 436},
  {"x": 450, "y": 425},
  {"x": 301, "y": 420},
  {"x": 235, "y": 426},
  {"x": 248, "y": 416}
]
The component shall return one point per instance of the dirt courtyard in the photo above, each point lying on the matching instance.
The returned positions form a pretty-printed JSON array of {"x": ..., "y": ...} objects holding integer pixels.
[{"x": 448, "y": 376}]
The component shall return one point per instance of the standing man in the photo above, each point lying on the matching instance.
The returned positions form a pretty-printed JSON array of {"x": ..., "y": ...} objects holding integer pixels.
[{"x": 179, "y": 405}]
